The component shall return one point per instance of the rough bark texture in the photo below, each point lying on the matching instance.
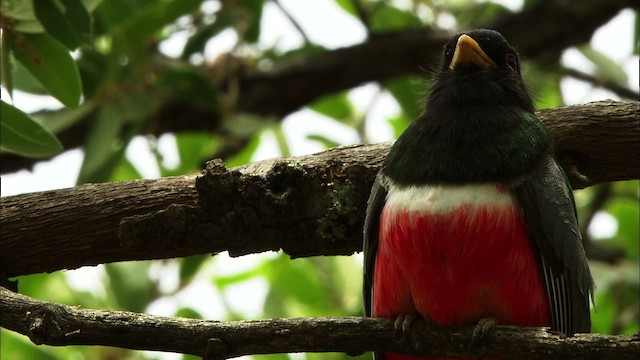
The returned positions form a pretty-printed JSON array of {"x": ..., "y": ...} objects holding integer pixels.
[
  {"x": 292, "y": 83},
  {"x": 601, "y": 145},
  {"x": 307, "y": 205},
  {"x": 42, "y": 231},
  {"x": 54, "y": 324}
]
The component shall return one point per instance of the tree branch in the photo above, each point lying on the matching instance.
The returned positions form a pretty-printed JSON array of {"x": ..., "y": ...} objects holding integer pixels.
[
  {"x": 54, "y": 324},
  {"x": 307, "y": 205},
  {"x": 603, "y": 82},
  {"x": 292, "y": 83}
]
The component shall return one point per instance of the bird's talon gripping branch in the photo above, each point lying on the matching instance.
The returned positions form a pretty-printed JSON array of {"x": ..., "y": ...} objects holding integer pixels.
[
  {"x": 482, "y": 328},
  {"x": 216, "y": 350},
  {"x": 402, "y": 324}
]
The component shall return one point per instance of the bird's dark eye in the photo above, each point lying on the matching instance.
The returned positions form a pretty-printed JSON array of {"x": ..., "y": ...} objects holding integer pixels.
[{"x": 511, "y": 61}]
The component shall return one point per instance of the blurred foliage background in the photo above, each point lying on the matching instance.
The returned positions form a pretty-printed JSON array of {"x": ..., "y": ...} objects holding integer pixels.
[{"x": 112, "y": 64}]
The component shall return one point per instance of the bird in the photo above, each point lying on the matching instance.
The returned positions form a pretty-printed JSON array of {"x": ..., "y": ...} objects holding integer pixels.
[{"x": 470, "y": 219}]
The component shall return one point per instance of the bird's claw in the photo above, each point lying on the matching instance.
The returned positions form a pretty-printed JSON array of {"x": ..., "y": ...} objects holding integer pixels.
[
  {"x": 403, "y": 323},
  {"x": 481, "y": 329},
  {"x": 402, "y": 326}
]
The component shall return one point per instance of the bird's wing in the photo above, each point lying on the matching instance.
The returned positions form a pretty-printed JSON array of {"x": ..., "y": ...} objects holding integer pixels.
[
  {"x": 548, "y": 206},
  {"x": 371, "y": 228}
]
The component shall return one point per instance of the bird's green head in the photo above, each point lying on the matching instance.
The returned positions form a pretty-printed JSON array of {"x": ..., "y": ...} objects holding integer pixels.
[
  {"x": 489, "y": 52},
  {"x": 480, "y": 67}
]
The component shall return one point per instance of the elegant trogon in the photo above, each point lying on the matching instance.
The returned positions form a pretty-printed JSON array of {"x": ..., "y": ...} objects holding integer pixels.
[{"x": 470, "y": 217}]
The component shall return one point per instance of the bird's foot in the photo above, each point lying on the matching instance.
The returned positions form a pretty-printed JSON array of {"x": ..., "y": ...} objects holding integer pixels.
[
  {"x": 403, "y": 323},
  {"x": 482, "y": 328},
  {"x": 402, "y": 326}
]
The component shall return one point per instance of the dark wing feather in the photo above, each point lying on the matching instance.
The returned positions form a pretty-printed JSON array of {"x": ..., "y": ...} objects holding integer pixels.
[
  {"x": 371, "y": 228},
  {"x": 375, "y": 204},
  {"x": 548, "y": 206}
]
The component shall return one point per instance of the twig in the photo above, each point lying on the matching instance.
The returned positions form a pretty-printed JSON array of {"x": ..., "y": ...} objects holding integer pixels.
[
  {"x": 293, "y": 22},
  {"x": 363, "y": 14},
  {"x": 54, "y": 324},
  {"x": 623, "y": 92},
  {"x": 602, "y": 193}
]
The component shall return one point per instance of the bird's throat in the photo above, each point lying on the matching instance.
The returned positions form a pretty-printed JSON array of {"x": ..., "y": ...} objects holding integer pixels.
[{"x": 468, "y": 145}]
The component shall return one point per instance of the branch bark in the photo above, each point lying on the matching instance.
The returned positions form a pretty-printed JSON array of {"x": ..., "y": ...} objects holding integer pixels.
[
  {"x": 292, "y": 83},
  {"x": 54, "y": 324},
  {"x": 307, "y": 205}
]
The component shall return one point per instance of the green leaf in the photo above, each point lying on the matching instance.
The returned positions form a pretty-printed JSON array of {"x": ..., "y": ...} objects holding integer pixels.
[
  {"x": 336, "y": 106},
  {"x": 139, "y": 27},
  {"x": 93, "y": 71},
  {"x": 131, "y": 293},
  {"x": 269, "y": 357},
  {"x": 18, "y": 10},
  {"x": 66, "y": 20},
  {"x": 157, "y": 14},
  {"x": 468, "y": 15},
  {"x": 197, "y": 42},
  {"x": 616, "y": 295},
  {"x": 194, "y": 148},
  {"x": 348, "y": 7},
  {"x": 222, "y": 282},
  {"x": 110, "y": 14},
  {"x": 5, "y": 57},
  {"x": 245, "y": 155},
  {"x": 15, "y": 346},
  {"x": 244, "y": 124},
  {"x": 22, "y": 14},
  {"x": 281, "y": 139},
  {"x": 23, "y": 135},
  {"x": 254, "y": 8},
  {"x": 58, "y": 120},
  {"x": 399, "y": 124},
  {"x": 626, "y": 213},
  {"x": 51, "y": 64},
  {"x": 23, "y": 80},
  {"x": 328, "y": 143},
  {"x": 29, "y": 27},
  {"x": 190, "y": 265},
  {"x": 543, "y": 80},
  {"x": 408, "y": 91},
  {"x": 108, "y": 136},
  {"x": 101, "y": 146},
  {"x": 387, "y": 18},
  {"x": 295, "y": 289},
  {"x": 124, "y": 170},
  {"x": 190, "y": 86},
  {"x": 189, "y": 313},
  {"x": 605, "y": 66}
]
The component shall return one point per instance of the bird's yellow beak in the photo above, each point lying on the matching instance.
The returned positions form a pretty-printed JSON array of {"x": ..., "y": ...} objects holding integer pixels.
[{"x": 468, "y": 51}]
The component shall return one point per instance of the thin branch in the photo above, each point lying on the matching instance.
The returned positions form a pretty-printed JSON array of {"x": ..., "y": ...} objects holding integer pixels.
[
  {"x": 621, "y": 91},
  {"x": 602, "y": 194},
  {"x": 293, "y": 21},
  {"x": 361, "y": 119},
  {"x": 54, "y": 324},
  {"x": 306, "y": 205},
  {"x": 364, "y": 14},
  {"x": 609, "y": 253},
  {"x": 294, "y": 82}
]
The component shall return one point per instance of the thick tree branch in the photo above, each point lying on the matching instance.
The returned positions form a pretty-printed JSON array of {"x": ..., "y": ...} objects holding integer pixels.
[
  {"x": 54, "y": 324},
  {"x": 292, "y": 83},
  {"x": 307, "y": 205}
]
